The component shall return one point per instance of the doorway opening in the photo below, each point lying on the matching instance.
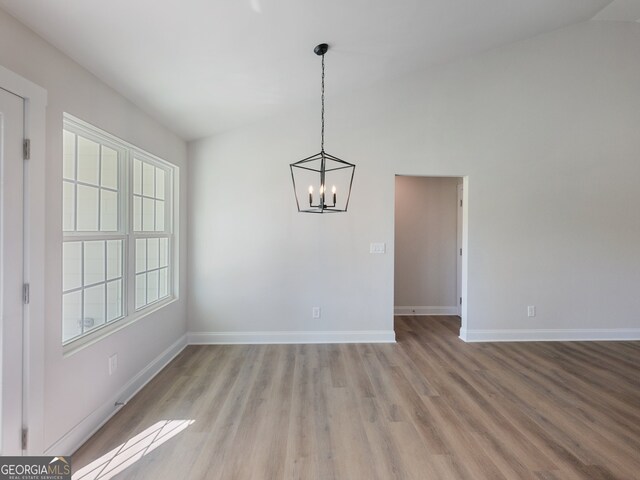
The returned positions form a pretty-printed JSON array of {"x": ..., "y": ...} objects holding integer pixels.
[{"x": 430, "y": 249}]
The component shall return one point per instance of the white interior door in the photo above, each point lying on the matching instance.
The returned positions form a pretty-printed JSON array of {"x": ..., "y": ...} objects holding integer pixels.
[{"x": 11, "y": 271}]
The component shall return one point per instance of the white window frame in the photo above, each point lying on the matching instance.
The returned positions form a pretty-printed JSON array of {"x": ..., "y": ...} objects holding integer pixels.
[
  {"x": 135, "y": 235},
  {"x": 125, "y": 231}
]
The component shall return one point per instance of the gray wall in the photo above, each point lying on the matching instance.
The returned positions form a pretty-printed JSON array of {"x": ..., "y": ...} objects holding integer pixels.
[
  {"x": 546, "y": 131},
  {"x": 78, "y": 385},
  {"x": 426, "y": 242}
]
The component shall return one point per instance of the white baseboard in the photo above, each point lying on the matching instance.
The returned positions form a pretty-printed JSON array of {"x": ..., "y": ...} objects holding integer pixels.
[
  {"x": 249, "y": 338},
  {"x": 79, "y": 434},
  {"x": 425, "y": 310},
  {"x": 552, "y": 335}
]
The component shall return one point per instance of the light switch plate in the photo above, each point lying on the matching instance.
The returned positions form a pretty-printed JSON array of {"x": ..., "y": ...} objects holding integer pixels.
[{"x": 377, "y": 247}]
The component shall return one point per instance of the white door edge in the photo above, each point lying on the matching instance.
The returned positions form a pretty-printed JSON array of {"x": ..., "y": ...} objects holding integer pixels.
[{"x": 35, "y": 104}]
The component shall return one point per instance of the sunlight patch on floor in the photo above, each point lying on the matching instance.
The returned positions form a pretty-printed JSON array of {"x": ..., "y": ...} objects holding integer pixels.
[{"x": 126, "y": 454}]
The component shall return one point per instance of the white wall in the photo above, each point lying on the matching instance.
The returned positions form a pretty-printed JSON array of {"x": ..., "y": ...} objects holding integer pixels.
[
  {"x": 426, "y": 228},
  {"x": 545, "y": 129},
  {"x": 79, "y": 385}
]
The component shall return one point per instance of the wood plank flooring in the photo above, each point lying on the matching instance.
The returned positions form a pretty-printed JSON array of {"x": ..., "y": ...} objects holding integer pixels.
[{"x": 428, "y": 407}]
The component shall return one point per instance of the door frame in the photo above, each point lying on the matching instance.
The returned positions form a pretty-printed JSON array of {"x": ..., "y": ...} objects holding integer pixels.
[
  {"x": 35, "y": 104},
  {"x": 463, "y": 235},
  {"x": 460, "y": 212},
  {"x": 464, "y": 260}
]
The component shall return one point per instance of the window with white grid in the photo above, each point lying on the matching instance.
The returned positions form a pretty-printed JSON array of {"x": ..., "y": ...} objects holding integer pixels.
[
  {"x": 117, "y": 230},
  {"x": 153, "y": 238}
]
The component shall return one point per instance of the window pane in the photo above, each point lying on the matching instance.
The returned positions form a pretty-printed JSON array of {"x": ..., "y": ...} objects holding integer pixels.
[
  {"x": 68, "y": 207},
  {"x": 94, "y": 307},
  {"x": 88, "y": 160},
  {"x": 68, "y": 155},
  {"x": 100, "y": 183},
  {"x": 153, "y": 253},
  {"x": 137, "y": 177},
  {"x": 109, "y": 176},
  {"x": 71, "y": 315},
  {"x": 71, "y": 265},
  {"x": 160, "y": 183},
  {"x": 93, "y": 262},
  {"x": 141, "y": 255},
  {"x": 163, "y": 280},
  {"x": 159, "y": 216},
  {"x": 164, "y": 252},
  {"x": 87, "y": 208},
  {"x": 152, "y": 286},
  {"x": 141, "y": 290},
  {"x": 148, "y": 179},
  {"x": 114, "y": 259},
  {"x": 108, "y": 211},
  {"x": 137, "y": 214},
  {"x": 114, "y": 300},
  {"x": 148, "y": 214}
]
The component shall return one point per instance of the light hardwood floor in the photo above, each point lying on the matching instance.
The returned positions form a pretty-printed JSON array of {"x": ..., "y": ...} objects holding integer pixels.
[{"x": 428, "y": 407}]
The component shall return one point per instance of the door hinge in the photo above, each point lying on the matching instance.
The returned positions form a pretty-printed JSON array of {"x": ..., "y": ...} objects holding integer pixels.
[
  {"x": 25, "y": 293},
  {"x": 26, "y": 149},
  {"x": 460, "y": 300},
  {"x": 460, "y": 251},
  {"x": 25, "y": 438},
  {"x": 460, "y": 202}
]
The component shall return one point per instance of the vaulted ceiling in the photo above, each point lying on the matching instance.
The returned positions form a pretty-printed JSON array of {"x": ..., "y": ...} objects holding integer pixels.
[{"x": 205, "y": 66}]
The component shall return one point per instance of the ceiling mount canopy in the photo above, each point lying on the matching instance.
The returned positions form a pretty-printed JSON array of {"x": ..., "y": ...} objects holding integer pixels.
[
  {"x": 321, "y": 49},
  {"x": 322, "y": 182}
]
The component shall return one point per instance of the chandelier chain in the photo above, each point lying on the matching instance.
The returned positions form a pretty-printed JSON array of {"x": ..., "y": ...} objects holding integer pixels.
[{"x": 322, "y": 112}]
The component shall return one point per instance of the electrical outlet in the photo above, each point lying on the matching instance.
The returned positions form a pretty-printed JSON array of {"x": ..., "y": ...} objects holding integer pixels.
[
  {"x": 315, "y": 312},
  {"x": 531, "y": 311},
  {"x": 113, "y": 363}
]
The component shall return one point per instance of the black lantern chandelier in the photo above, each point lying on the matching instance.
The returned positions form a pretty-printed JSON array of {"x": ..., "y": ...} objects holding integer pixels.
[{"x": 322, "y": 182}]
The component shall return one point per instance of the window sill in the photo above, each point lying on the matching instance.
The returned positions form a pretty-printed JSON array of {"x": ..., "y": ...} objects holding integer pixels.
[{"x": 81, "y": 343}]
